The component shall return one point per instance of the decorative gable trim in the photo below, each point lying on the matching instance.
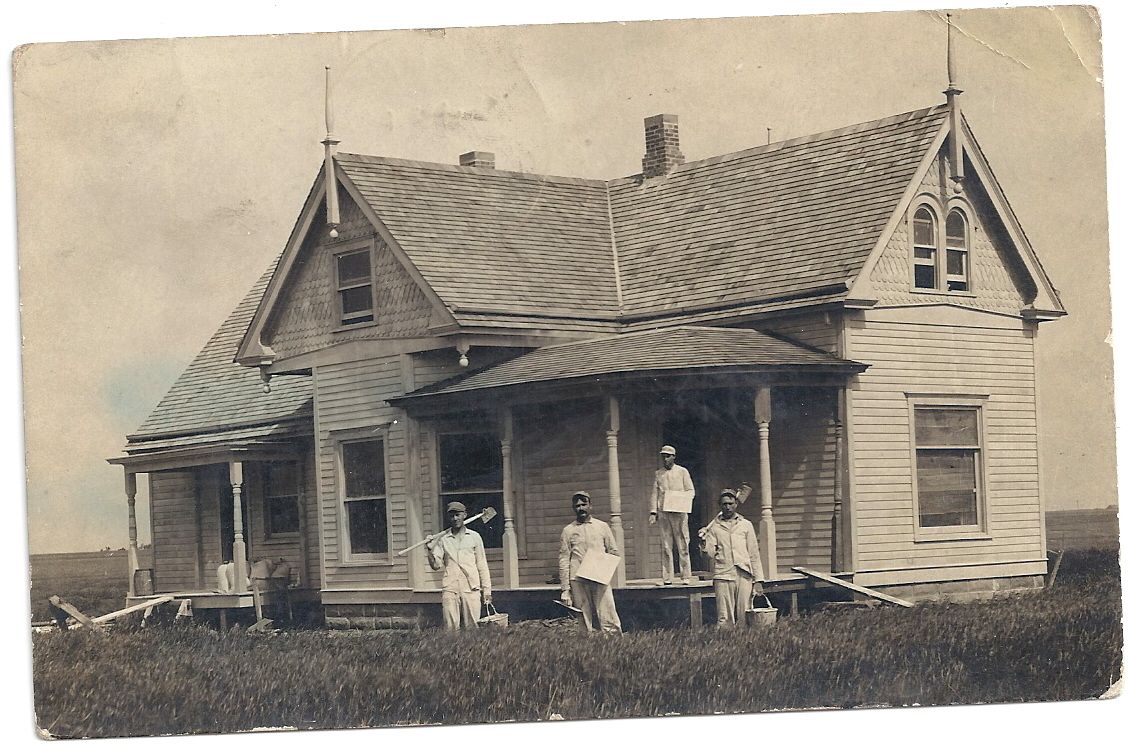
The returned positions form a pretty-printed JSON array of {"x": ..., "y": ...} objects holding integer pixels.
[
  {"x": 252, "y": 352},
  {"x": 1045, "y": 306},
  {"x": 862, "y": 291}
]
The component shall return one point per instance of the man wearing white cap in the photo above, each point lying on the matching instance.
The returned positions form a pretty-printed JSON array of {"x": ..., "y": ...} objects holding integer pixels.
[
  {"x": 587, "y": 535},
  {"x": 466, "y": 578},
  {"x": 672, "y": 479}
]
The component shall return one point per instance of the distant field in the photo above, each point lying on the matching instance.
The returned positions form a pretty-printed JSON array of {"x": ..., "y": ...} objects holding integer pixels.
[
  {"x": 95, "y": 582},
  {"x": 1058, "y": 644}
]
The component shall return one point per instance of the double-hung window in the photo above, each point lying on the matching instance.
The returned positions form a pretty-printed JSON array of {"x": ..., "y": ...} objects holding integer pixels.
[
  {"x": 955, "y": 252},
  {"x": 948, "y": 469},
  {"x": 470, "y": 471},
  {"x": 365, "y": 496},
  {"x": 281, "y": 498},
  {"x": 924, "y": 249},
  {"x": 354, "y": 285}
]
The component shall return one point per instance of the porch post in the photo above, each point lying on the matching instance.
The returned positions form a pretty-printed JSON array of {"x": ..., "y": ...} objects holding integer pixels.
[
  {"x": 614, "y": 496},
  {"x": 239, "y": 547},
  {"x": 836, "y": 520},
  {"x": 131, "y": 500},
  {"x": 510, "y": 555},
  {"x": 763, "y": 412}
]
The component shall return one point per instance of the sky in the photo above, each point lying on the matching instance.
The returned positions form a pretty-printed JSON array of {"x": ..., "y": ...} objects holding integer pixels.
[{"x": 157, "y": 179}]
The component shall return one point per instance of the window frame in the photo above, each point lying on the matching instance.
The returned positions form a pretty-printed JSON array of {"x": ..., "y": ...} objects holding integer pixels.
[
  {"x": 934, "y": 247},
  {"x": 340, "y": 441},
  {"x": 268, "y": 498},
  {"x": 981, "y": 529},
  {"x": 940, "y": 211},
  {"x": 347, "y": 321},
  {"x": 440, "y": 511}
]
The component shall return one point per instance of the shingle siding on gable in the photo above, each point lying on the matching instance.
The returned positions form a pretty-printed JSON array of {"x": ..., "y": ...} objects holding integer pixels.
[
  {"x": 993, "y": 281},
  {"x": 307, "y": 315}
]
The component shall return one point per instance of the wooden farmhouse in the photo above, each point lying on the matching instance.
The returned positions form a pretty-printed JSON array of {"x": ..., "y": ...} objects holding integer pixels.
[{"x": 846, "y": 321}]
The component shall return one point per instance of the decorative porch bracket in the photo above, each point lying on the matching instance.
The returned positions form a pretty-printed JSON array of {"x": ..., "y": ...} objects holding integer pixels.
[
  {"x": 131, "y": 500},
  {"x": 763, "y": 414},
  {"x": 614, "y": 494},
  {"x": 510, "y": 555},
  {"x": 239, "y": 547}
]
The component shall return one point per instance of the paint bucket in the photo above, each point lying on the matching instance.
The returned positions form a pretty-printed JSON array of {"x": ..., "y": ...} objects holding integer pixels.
[
  {"x": 493, "y": 618},
  {"x": 760, "y": 616}
]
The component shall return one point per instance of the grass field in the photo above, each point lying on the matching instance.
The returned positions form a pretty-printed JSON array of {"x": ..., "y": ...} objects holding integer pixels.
[
  {"x": 94, "y": 595},
  {"x": 1058, "y": 644}
]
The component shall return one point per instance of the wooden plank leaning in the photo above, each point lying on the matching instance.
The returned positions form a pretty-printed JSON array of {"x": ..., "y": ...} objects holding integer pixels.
[
  {"x": 73, "y": 611},
  {"x": 851, "y": 586},
  {"x": 128, "y": 610}
]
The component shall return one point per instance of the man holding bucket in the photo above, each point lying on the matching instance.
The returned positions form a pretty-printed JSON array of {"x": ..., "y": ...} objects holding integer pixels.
[
  {"x": 730, "y": 542},
  {"x": 466, "y": 576}
]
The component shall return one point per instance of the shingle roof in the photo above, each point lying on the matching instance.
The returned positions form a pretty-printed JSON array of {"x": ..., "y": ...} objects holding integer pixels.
[
  {"x": 690, "y": 348},
  {"x": 214, "y": 393},
  {"x": 783, "y": 219},
  {"x": 488, "y": 239},
  {"x": 797, "y": 217}
]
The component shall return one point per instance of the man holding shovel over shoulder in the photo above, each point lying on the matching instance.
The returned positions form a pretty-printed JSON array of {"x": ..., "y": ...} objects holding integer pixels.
[
  {"x": 730, "y": 541},
  {"x": 466, "y": 576}
]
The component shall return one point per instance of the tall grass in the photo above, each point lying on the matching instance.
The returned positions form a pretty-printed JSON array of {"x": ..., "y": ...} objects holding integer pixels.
[{"x": 1052, "y": 645}]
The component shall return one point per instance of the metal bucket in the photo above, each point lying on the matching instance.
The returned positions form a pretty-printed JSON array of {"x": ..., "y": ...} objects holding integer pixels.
[
  {"x": 760, "y": 616},
  {"x": 493, "y": 618}
]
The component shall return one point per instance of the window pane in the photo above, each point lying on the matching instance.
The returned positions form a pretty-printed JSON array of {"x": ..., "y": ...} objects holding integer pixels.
[
  {"x": 924, "y": 277},
  {"x": 957, "y": 263},
  {"x": 956, "y": 230},
  {"x": 491, "y": 531},
  {"x": 364, "y": 468},
  {"x": 946, "y": 488},
  {"x": 352, "y": 268},
  {"x": 470, "y": 462},
  {"x": 357, "y": 300},
  {"x": 281, "y": 515},
  {"x": 924, "y": 229},
  {"x": 368, "y": 526},
  {"x": 946, "y": 427}
]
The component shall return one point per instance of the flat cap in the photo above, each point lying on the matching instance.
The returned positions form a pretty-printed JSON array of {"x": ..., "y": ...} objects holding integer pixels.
[
  {"x": 667, "y": 450},
  {"x": 456, "y": 506}
]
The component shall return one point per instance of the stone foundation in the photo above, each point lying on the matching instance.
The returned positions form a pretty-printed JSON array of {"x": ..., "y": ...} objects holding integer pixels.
[
  {"x": 382, "y": 617},
  {"x": 969, "y": 590}
]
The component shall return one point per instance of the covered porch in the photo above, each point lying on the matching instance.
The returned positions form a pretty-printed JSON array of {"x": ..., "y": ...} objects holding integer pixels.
[
  {"x": 219, "y": 514},
  {"x": 739, "y": 405}
]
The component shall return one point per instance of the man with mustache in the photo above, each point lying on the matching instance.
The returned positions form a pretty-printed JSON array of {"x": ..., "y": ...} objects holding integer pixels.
[
  {"x": 730, "y": 542},
  {"x": 585, "y": 535}
]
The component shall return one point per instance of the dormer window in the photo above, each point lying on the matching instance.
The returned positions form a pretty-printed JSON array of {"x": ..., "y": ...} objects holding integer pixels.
[
  {"x": 354, "y": 285},
  {"x": 955, "y": 252},
  {"x": 924, "y": 249}
]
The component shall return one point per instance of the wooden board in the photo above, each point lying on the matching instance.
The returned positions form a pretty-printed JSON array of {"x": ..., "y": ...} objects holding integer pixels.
[{"x": 853, "y": 587}]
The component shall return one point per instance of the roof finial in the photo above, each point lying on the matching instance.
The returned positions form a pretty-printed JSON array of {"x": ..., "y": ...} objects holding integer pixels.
[
  {"x": 332, "y": 211},
  {"x": 955, "y": 133}
]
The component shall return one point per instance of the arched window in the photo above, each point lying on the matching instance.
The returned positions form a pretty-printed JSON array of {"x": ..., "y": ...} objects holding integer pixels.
[
  {"x": 956, "y": 252},
  {"x": 924, "y": 249}
]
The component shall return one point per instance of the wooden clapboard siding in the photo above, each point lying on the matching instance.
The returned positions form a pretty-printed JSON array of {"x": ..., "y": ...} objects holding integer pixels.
[
  {"x": 563, "y": 450},
  {"x": 172, "y": 495},
  {"x": 350, "y": 400},
  {"x": 814, "y": 329},
  {"x": 212, "y": 483},
  {"x": 306, "y": 316},
  {"x": 984, "y": 355},
  {"x": 994, "y": 280}
]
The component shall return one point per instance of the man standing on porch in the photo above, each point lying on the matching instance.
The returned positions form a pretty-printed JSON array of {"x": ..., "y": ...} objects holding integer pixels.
[
  {"x": 585, "y": 535},
  {"x": 671, "y": 500},
  {"x": 730, "y": 542},
  {"x": 466, "y": 579}
]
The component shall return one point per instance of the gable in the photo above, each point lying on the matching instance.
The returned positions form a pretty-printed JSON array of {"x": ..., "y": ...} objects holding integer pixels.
[
  {"x": 998, "y": 280},
  {"x": 305, "y": 316}
]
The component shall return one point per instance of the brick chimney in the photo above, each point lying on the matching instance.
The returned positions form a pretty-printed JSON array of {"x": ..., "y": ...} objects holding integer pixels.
[
  {"x": 477, "y": 159},
  {"x": 662, "y": 152}
]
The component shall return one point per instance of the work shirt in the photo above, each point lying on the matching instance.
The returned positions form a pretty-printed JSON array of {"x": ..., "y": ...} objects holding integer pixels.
[
  {"x": 577, "y": 539},
  {"x": 731, "y": 544},
  {"x": 675, "y": 479},
  {"x": 463, "y": 556}
]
